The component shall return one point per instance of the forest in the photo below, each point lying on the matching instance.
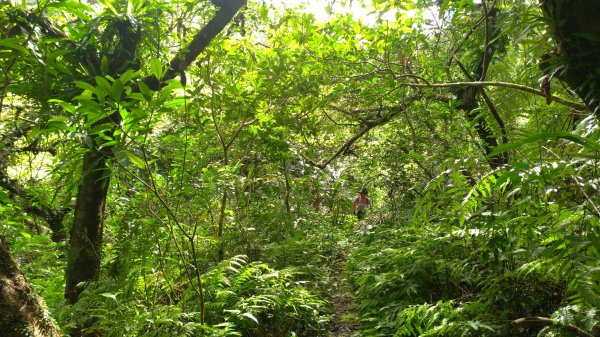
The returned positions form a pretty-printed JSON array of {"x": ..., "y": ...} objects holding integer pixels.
[{"x": 200, "y": 168}]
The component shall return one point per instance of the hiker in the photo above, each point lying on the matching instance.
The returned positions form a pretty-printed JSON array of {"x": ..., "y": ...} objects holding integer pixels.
[{"x": 361, "y": 203}]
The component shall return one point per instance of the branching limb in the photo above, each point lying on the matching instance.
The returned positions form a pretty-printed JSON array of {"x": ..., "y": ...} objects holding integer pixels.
[
  {"x": 488, "y": 102},
  {"x": 335, "y": 122},
  {"x": 35, "y": 149},
  {"x": 53, "y": 217},
  {"x": 367, "y": 125},
  {"x": 344, "y": 147},
  {"x": 467, "y": 36}
]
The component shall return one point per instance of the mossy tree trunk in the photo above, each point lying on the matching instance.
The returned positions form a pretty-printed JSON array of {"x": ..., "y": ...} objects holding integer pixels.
[{"x": 22, "y": 313}]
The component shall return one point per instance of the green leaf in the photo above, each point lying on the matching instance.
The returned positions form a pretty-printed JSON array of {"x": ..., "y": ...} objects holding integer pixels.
[
  {"x": 104, "y": 65},
  {"x": 129, "y": 75},
  {"x": 250, "y": 316},
  {"x": 109, "y": 143},
  {"x": 116, "y": 90},
  {"x": 103, "y": 84},
  {"x": 137, "y": 96},
  {"x": 109, "y": 295},
  {"x": 145, "y": 90},
  {"x": 85, "y": 86},
  {"x": 137, "y": 161},
  {"x": 58, "y": 123},
  {"x": 97, "y": 129},
  {"x": 14, "y": 43},
  {"x": 70, "y": 6},
  {"x": 174, "y": 103},
  {"x": 157, "y": 68},
  {"x": 68, "y": 107},
  {"x": 109, "y": 6},
  {"x": 56, "y": 54},
  {"x": 4, "y": 198},
  {"x": 88, "y": 106}
]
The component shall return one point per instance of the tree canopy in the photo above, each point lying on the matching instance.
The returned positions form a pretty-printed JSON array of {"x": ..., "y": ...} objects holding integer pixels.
[{"x": 189, "y": 168}]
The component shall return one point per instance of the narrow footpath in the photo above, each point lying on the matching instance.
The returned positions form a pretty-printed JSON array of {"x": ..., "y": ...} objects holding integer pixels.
[{"x": 345, "y": 318}]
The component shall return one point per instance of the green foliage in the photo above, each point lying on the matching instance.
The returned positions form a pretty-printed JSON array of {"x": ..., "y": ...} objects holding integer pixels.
[
  {"x": 585, "y": 318},
  {"x": 249, "y": 299},
  {"x": 517, "y": 243},
  {"x": 256, "y": 151},
  {"x": 439, "y": 319},
  {"x": 257, "y": 299}
]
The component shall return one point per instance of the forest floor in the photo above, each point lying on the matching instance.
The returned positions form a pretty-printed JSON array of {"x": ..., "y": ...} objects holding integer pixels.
[{"x": 345, "y": 318}]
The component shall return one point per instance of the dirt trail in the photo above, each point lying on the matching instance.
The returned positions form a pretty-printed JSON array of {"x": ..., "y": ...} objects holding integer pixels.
[{"x": 345, "y": 318}]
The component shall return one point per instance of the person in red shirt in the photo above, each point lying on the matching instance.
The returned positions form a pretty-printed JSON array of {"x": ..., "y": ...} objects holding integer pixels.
[{"x": 361, "y": 203}]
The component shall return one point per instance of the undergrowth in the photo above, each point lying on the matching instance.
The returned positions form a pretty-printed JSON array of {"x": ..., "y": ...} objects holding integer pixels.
[{"x": 241, "y": 299}]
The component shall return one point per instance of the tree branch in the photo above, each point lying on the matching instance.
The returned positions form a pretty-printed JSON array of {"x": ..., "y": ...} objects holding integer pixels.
[
  {"x": 367, "y": 125},
  {"x": 520, "y": 87},
  {"x": 489, "y": 103},
  {"x": 486, "y": 46},
  {"x": 544, "y": 321},
  {"x": 346, "y": 145},
  {"x": 54, "y": 217},
  {"x": 201, "y": 40}
]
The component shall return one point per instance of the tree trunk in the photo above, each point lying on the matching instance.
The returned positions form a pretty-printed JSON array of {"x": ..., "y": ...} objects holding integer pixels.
[
  {"x": 22, "y": 313},
  {"x": 577, "y": 31},
  {"x": 85, "y": 250},
  {"x": 468, "y": 95},
  {"x": 221, "y": 249},
  {"x": 468, "y": 98}
]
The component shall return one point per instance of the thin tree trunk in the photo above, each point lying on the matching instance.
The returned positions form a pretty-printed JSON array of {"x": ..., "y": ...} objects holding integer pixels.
[
  {"x": 22, "y": 313},
  {"x": 221, "y": 249},
  {"x": 288, "y": 188}
]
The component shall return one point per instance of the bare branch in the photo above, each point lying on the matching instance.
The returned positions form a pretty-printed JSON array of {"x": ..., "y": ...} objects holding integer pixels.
[
  {"x": 34, "y": 149},
  {"x": 545, "y": 321},
  {"x": 335, "y": 122},
  {"x": 486, "y": 46},
  {"x": 520, "y": 87}
]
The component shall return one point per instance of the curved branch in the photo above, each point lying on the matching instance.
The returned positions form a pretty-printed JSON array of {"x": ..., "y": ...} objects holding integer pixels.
[
  {"x": 334, "y": 121},
  {"x": 486, "y": 46},
  {"x": 346, "y": 145},
  {"x": 467, "y": 36},
  {"x": 520, "y": 87}
]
